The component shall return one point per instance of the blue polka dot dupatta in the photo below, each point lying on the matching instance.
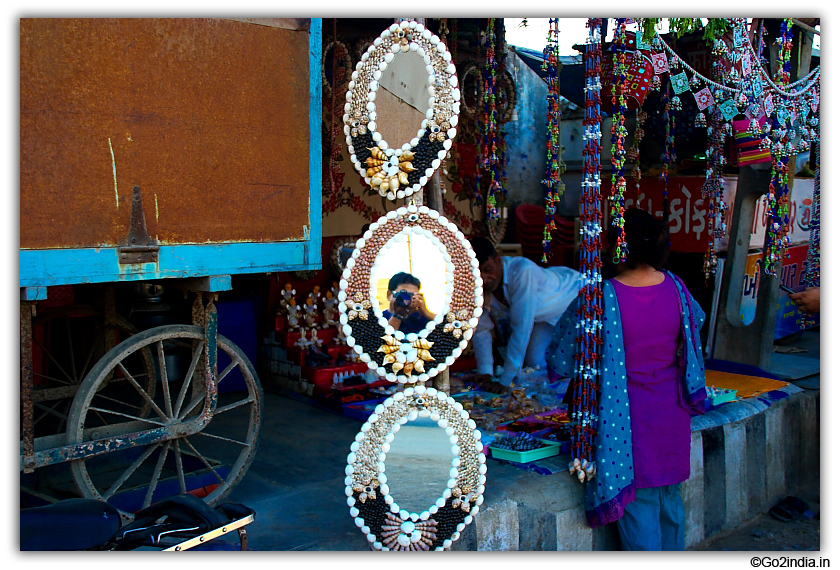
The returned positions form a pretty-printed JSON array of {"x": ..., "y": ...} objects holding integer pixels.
[{"x": 612, "y": 487}]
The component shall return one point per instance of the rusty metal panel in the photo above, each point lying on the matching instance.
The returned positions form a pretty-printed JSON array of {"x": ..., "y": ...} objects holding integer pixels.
[{"x": 210, "y": 118}]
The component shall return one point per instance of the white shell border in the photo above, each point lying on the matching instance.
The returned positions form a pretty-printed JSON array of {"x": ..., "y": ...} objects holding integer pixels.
[
  {"x": 441, "y": 120},
  {"x": 464, "y": 303},
  {"x": 365, "y": 473}
]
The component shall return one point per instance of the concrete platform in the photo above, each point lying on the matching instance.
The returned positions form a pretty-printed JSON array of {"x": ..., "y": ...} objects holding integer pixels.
[{"x": 745, "y": 457}]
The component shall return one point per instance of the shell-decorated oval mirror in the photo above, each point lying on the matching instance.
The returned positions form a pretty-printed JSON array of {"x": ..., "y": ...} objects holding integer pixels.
[
  {"x": 434, "y": 482},
  {"x": 411, "y": 295},
  {"x": 397, "y": 169}
]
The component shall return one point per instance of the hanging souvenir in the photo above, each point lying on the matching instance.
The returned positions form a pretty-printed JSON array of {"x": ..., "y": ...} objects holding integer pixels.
[
  {"x": 704, "y": 98},
  {"x": 396, "y": 172},
  {"x": 659, "y": 62},
  {"x": 679, "y": 82}
]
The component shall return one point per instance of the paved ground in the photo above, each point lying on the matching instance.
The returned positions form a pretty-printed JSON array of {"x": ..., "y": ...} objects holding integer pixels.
[{"x": 296, "y": 484}]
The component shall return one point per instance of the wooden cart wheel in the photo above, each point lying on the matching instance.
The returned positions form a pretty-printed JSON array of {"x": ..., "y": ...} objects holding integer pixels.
[
  {"x": 212, "y": 460},
  {"x": 74, "y": 339}
]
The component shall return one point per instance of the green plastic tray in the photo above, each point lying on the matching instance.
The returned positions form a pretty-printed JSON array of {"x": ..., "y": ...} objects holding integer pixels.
[{"x": 550, "y": 450}]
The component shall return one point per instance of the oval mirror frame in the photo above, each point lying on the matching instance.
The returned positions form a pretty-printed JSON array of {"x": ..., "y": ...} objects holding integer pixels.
[
  {"x": 337, "y": 250},
  {"x": 377, "y": 513},
  {"x": 412, "y": 357},
  {"x": 399, "y": 172}
]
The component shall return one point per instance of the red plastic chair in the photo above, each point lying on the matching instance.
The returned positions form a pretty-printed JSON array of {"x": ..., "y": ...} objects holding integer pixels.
[{"x": 530, "y": 223}]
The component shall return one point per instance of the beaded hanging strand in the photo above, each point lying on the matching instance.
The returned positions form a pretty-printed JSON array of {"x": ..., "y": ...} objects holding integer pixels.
[
  {"x": 584, "y": 384},
  {"x": 481, "y": 132},
  {"x": 618, "y": 134},
  {"x": 812, "y": 264},
  {"x": 491, "y": 158},
  {"x": 554, "y": 153},
  {"x": 778, "y": 196},
  {"x": 668, "y": 155}
]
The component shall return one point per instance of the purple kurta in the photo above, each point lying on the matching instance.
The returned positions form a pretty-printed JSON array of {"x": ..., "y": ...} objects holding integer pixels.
[{"x": 661, "y": 428}]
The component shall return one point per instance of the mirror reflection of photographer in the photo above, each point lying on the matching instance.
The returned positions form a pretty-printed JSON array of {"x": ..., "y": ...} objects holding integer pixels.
[
  {"x": 408, "y": 312},
  {"x": 522, "y": 302}
]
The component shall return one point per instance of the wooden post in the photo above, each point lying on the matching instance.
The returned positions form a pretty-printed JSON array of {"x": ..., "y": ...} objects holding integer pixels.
[{"x": 434, "y": 199}]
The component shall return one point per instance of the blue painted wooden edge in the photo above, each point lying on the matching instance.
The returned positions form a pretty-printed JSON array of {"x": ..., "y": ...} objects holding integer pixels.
[
  {"x": 44, "y": 267},
  {"x": 315, "y": 159}
]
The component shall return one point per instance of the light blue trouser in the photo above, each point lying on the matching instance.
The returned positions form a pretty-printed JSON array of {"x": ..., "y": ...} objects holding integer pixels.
[{"x": 654, "y": 521}]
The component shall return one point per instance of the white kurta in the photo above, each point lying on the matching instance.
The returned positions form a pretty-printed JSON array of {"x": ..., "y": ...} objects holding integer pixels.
[{"x": 537, "y": 297}]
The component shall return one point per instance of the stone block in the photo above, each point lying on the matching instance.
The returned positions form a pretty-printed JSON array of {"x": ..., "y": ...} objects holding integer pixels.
[
  {"x": 537, "y": 529},
  {"x": 573, "y": 531},
  {"x": 714, "y": 480},
  {"x": 497, "y": 527},
  {"x": 693, "y": 494},
  {"x": 774, "y": 453},
  {"x": 735, "y": 442},
  {"x": 756, "y": 464}
]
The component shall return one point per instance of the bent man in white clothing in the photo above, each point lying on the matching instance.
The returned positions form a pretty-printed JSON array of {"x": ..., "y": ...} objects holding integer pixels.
[{"x": 522, "y": 302}]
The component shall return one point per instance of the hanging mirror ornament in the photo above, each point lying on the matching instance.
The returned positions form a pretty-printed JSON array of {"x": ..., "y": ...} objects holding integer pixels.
[
  {"x": 412, "y": 357},
  {"x": 399, "y": 172},
  {"x": 377, "y": 513}
]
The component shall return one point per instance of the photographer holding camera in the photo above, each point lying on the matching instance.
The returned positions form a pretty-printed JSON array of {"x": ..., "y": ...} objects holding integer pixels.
[{"x": 408, "y": 312}]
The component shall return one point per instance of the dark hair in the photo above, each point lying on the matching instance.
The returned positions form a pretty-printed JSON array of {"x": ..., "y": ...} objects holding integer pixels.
[
  {"x": 483, "y": 248},
  {"x": 648, "y": 239},
  {"x": 403, "y": 278}
]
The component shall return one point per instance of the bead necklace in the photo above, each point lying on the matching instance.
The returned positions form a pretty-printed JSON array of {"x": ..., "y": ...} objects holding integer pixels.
[
  {"x": 584, "y": 384},
  {"x": 554, "y": 154},
  {"x": 778, "y": 197},
  {"x": 812, "y": 264},
  {"x": 618, "y": 133},
  {"x": 491, "y": 126}
]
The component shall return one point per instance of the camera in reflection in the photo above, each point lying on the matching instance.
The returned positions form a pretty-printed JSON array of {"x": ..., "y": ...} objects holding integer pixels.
[{"x": 403, "y": 298}]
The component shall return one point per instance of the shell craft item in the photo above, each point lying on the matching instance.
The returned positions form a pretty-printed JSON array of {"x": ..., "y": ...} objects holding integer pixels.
[
  {"x": 399, "y": 172},
  {"x": 412, "y": 357},
  {"x": 377, "y": 513}
]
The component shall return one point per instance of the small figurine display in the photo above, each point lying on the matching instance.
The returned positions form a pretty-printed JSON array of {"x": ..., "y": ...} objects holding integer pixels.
[
  {"x": 310, "y": 313},
  {"x": 330, "y": 310},
  {"x": 293, "y": 312},
  {"x": 287, "y": 296}
]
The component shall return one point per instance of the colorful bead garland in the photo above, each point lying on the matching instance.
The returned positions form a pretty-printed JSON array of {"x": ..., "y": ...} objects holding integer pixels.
[
  {"x": 618, "y": 133},
  {"x": 584, "y": 383},
  {"x": 812, "y": 264},
  {"x": 555, "y": 166},
  {"x": 778, "y": 197},
  {"x": 491, "y": 123}
]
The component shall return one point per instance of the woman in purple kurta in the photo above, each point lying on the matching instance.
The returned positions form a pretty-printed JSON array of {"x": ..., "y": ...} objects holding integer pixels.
[{"x": 651, "y": 318}]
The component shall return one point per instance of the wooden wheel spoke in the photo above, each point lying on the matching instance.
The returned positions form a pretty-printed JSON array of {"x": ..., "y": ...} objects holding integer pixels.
[
  {"x": 156, "y": 475},
  {"x": 87, "y": 360},
  {"x": 142, "y": 392},
  {"x": 199, "y": 348},
  {"x": 59, "y": 380},
  {"x": 203, "y": 460},
  {"x": 129, "y": 471},
  {"x": 129, "y": 416},
  {"x": 214, "y": 436},
  {"x": 226, "y": 371},
  {"x": 233, "y": 405},
  {"x": 47, "y": 352},
  {"x": 195, "y": 401},
  {"x": 179, "y": 466},
  {"x": 164, "y": 379},
  {"x": 110, "y": 399},
  {"x": 49, "y": 410},
  {"x": 70, "y": 351}
]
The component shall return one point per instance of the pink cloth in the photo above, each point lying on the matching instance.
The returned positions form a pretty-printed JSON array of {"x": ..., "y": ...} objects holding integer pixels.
[{"x": 650, "y": 318}]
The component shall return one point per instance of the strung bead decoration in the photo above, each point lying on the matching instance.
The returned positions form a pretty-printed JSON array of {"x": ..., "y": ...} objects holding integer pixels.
[
  {"x": 491, "y": 151},
  {"x": 778, "y": 197},
  {"x": 584, "y": 383},
  {"x": 618, "y": 134},
  {"x": 555, "y": 166}
]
